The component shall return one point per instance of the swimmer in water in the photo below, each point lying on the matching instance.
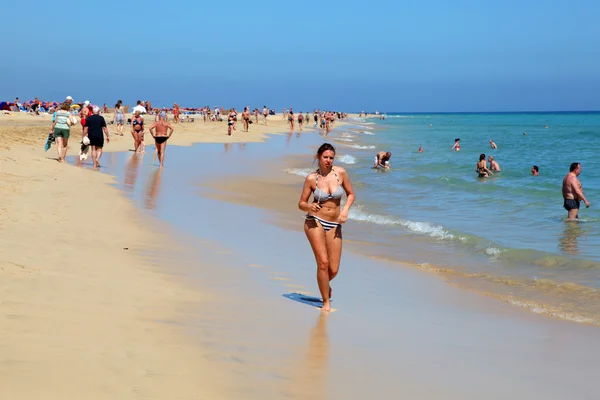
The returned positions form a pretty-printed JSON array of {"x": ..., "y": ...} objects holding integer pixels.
[
  {"x": 572, "y": 192},
  {"x": 481, "y": 167},
  {"x": 324, "y": 217},
  {"x": 535, "y": 171},
  {"x": 494, "y": 166},
  {"x": 382, "y": 159},
  {"x": 421, "y": 149},
  {"x": 492, "y": 144},
  {"x": 456, "y": 146}
]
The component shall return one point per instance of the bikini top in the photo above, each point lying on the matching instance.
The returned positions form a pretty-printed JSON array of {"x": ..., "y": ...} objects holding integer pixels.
[
  {"x": 136, "y": 122},
  {"x": 321, "y": 195}
]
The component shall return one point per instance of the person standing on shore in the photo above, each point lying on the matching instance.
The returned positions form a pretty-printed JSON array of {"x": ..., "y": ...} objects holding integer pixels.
[
  {"x": 324, "y": 218},
  {"x": 137, "y": 131},
  {"x": 265, "y": 114},
  {"x": 300, "y": 120},
  {"x": 119, "y": 117},
  {"x": 95, "y": 129},
  {"x": 161, "y": 131},
  {"x": 176, "y": 113},
  {"x": 84, "y": 112},
  {"x": 572, "y": 192},
  {"x": 246, "y": 119},
  {"x": 256, "y": 115}
]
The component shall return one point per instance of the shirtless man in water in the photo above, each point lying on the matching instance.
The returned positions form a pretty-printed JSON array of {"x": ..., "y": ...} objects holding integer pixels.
[
  {"x": 572, "y": 192},
  {"x": 382, "y": 159},
  {"x": 161, "y": 131}
]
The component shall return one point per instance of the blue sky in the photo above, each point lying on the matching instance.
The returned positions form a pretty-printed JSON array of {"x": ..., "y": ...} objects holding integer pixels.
[{"x": 458, "y": 55}]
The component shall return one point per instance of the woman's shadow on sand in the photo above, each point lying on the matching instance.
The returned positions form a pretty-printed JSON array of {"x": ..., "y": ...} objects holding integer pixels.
[{"x": 305, "y": 299}]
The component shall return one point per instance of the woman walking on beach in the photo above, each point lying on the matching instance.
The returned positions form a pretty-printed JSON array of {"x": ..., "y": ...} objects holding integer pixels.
[
  {"x": 230, "y": 121},
  {"x": 291, "y": 120},
  {"x": 61, "y": 128},
  {"x": 137, "y": 131},
  {"x": 119, "y": 117},
  {"x": 324, "y": 218}
]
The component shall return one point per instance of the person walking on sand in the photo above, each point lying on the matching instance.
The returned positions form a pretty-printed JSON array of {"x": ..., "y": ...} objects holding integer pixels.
[
  {"x": 161, "y": 131},
  {"x": 291, "y": 120},
  {"x": 84, "y": 112},
  {"x": 119, "y": 117},
  {"x": 95, "y": 129},
  {"x": 572, "y": 192},
  {"x": 176, "y": 113},
  {"x": 265, "y": 113},
  {"x": 61, "y": 128},
  {"x": 137, "y": 131},
  {"x": 324, "y": 217},
  {"x": 246, "y": 119},
  {"x": 300, "y": 120},
  {"x": 230, "y": 121}
]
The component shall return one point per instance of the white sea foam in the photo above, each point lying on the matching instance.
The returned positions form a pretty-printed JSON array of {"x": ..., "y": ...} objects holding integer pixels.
[
  {"x": 358, "y": 146},
  {"x": 421, "y": 228},
  {"x": 493, "y": 251},
  {"x": 299, "y": 171},
  {"x": 367, "y": 132},
  {"x": 343, "y": 139},
  {"x": 347, "y": 159}
]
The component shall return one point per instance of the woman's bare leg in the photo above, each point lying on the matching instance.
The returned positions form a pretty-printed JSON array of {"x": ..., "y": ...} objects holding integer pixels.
[
  {"x": 59, "y": 145},
  {"x": 63, "y": 149},
  {"x": 318, "y": 242}
]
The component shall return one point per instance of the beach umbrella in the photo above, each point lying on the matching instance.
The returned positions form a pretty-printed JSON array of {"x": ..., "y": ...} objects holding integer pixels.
[{"x": 75, "y": 106}]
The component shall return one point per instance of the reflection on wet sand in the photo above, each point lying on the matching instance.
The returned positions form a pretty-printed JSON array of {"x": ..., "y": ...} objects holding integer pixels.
[
  {"x": 152, "y": 190},
  {"x": 131, "y": 171},
  {"x": 227, "y": 147},
  {"x": 311, "y": 382},
  {"x": 568, "y": 241}
]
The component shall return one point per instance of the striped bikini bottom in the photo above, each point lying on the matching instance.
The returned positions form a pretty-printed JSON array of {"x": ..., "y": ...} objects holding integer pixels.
[{"x": 327, "y": 225}]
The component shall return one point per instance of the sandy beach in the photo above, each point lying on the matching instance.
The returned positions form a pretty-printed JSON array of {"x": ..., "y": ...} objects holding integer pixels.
[
  {"x": 126, "y": 283},
  {"x": 81, "y": 306}
]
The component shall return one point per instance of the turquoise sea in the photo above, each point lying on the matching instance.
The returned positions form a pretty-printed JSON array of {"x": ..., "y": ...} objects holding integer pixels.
[{"x": 504, "y": 236}]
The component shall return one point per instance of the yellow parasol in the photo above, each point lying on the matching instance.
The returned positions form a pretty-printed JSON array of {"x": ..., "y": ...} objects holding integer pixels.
[{"x": 75, "y": 106}]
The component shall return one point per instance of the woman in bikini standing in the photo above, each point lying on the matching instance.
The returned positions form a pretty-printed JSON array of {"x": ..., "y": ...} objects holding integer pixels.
[
  {"x": 291, "y": 120},
  {"x": 324, "y": 218},
  {"x": 137, "y": 131}
]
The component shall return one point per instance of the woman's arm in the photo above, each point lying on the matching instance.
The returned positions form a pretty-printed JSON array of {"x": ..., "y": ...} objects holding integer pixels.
[
  {"x": 306, "y": 191},
  {"x": 347, "y": 185}
]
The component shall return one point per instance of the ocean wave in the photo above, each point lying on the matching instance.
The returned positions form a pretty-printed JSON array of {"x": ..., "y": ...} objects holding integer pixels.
[
  {"x": 299, "y": 171},
  {"x": 360, "y": 147},
  {"x": 421, "y": 228},
  {"x": 347, "y": 159},
  {"x": 343, "y": 139},
  {"x": 367, "y": 133}
]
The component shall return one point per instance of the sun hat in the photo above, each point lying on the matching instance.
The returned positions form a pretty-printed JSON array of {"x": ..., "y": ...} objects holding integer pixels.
[
  {"x": 86, "y": 102},
  {"x": 68, "y": 98}
]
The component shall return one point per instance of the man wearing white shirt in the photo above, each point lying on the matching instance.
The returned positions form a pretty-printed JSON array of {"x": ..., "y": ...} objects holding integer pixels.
[{"x": 139, "y": 108}]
